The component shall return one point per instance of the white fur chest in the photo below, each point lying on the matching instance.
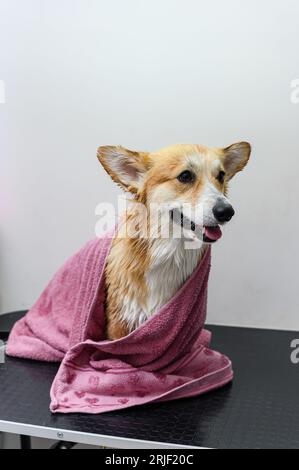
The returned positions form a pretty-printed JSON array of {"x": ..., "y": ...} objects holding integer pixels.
[{"x": 171, "y": 265}]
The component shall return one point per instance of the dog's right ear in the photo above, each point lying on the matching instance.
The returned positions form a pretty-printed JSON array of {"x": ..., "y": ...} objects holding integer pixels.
[{"x": 126, "y": 168}]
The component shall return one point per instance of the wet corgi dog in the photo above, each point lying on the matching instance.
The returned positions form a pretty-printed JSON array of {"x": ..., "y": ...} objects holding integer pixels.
[{"x": 181, "y": 186}]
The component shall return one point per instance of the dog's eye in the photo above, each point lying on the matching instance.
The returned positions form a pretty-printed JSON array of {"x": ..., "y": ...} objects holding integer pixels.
[
  {"x": 186, "y": 177},
  {"x": 220, "y": 176}
]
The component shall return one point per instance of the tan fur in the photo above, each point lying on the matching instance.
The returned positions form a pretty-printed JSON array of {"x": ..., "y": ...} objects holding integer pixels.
[
  {"x": 129, "y": 259},
  {"x": 126, "y": 264}
]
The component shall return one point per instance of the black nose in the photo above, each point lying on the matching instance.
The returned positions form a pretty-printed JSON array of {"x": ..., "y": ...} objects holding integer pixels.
[{"x": 223, "y": 211}]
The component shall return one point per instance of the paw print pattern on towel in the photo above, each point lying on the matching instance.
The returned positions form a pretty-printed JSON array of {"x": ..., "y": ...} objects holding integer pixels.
[
  {"x": 116, "y": 389},
  {"x": 141, "y": 393},
  {"x": 134, "y": 379},
  {"x": 94, "y": 381},
  {"x": 92, "y": 401},
  {"x": 123, "y": 401},
  {"x": 161, "y": 377}
]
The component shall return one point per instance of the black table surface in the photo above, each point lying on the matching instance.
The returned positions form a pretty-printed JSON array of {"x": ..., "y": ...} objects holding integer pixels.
[
  {"x": 7, "y": 321},
  {"x": 260, "y": 409}
]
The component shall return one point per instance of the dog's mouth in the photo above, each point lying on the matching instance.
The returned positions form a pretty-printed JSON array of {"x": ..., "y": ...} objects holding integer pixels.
[
  {"x": 208, "y": 234},
  {"x": 212, "y": 233}
]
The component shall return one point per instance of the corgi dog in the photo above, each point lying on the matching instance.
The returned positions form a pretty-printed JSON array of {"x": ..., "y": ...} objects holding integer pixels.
[{"x": 188, "y": 185}]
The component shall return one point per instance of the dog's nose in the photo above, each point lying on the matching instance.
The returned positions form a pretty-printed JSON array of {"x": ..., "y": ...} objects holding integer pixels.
[{"x": 223, "y": 211}]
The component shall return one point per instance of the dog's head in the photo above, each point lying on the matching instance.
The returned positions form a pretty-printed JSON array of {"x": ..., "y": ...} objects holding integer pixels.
[{"x": 190, "y": 182}]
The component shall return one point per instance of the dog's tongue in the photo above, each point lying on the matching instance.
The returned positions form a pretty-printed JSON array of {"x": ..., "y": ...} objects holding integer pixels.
[{"x": 213, "y": 233}]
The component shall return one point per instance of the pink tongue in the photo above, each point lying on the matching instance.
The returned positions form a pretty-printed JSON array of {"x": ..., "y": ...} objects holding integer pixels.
[{"x": 213, "y": 232}]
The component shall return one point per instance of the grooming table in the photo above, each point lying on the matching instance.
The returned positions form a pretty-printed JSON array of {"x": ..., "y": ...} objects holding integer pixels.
[{"x": 260, "y": 409}]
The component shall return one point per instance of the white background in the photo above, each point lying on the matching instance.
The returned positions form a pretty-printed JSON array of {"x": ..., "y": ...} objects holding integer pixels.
[{"x": 146, "y": 74}]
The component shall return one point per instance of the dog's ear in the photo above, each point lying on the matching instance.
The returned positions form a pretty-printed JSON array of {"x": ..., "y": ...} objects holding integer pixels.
[
  {"x": 126, "y": 168},
  {"x": 235, "y": 158}
]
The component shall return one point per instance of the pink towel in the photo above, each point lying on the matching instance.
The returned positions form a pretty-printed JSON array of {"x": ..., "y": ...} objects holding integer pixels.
[{"x": 166, "y": 358}]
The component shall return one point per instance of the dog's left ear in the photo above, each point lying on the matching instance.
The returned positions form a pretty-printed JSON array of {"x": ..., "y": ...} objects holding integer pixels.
[
  {"x": 235, "y": 158},
  {"x": 126, "y": 167}
]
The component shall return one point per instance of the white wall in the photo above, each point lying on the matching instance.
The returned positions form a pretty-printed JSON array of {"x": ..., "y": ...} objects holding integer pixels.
[{"x": 146, "y": 74}]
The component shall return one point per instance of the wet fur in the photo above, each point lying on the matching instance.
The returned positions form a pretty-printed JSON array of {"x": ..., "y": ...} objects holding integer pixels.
[{"x": 142, "y": 274}]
